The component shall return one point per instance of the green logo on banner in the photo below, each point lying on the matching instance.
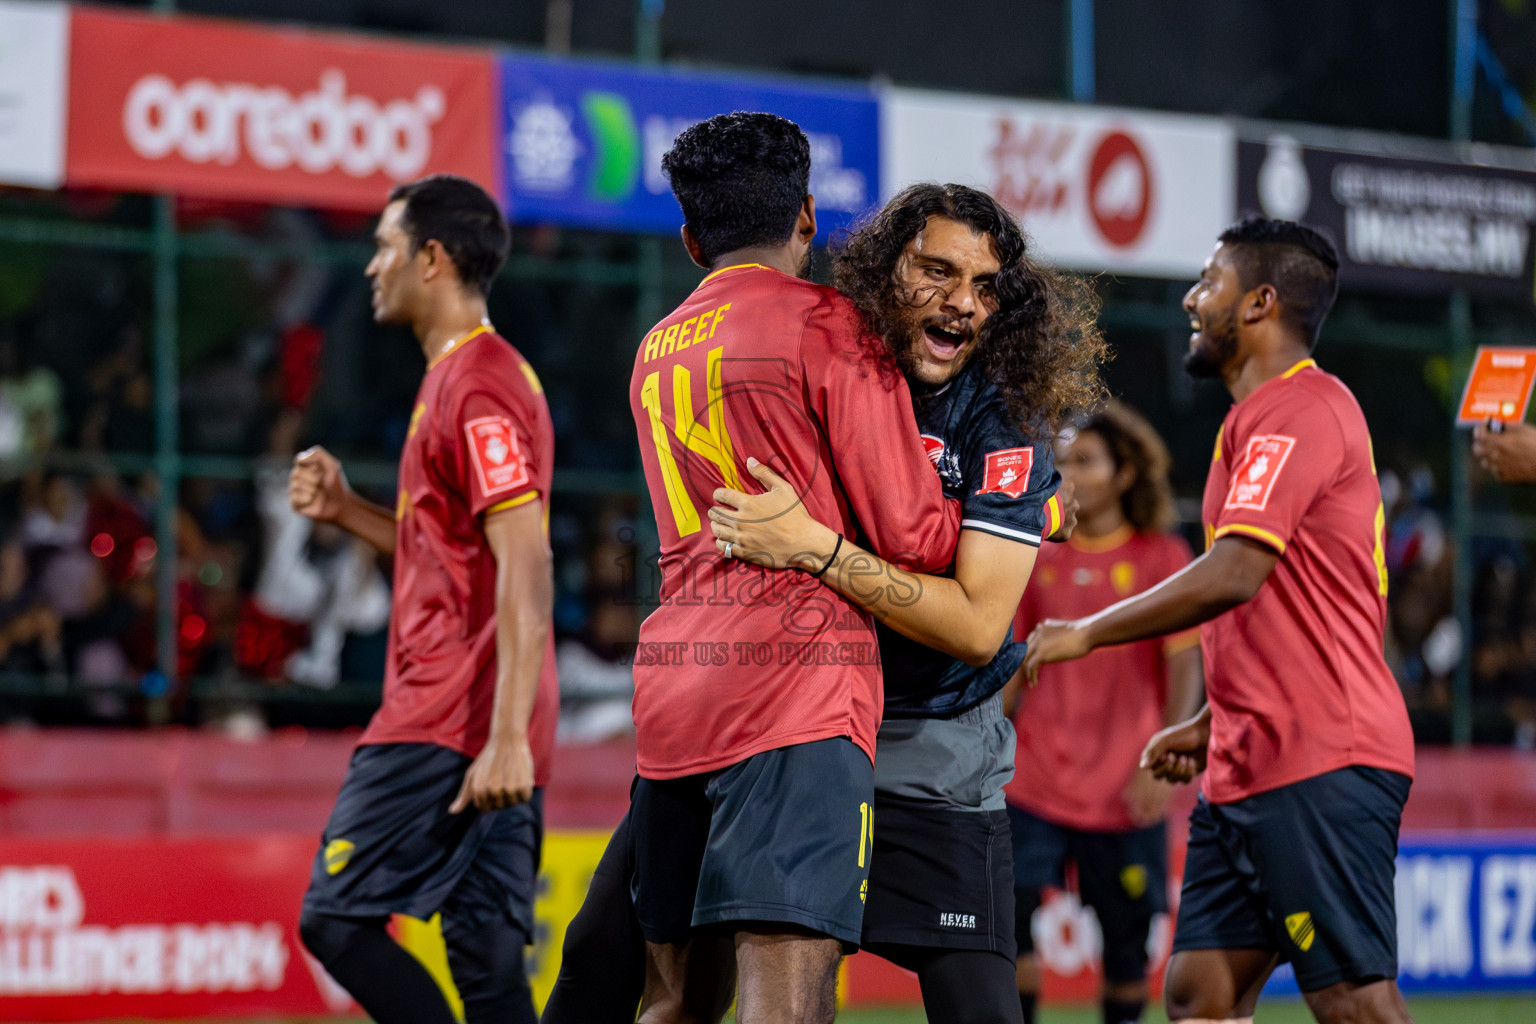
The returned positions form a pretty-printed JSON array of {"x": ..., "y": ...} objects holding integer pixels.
[{"x": 616, "y": 167}]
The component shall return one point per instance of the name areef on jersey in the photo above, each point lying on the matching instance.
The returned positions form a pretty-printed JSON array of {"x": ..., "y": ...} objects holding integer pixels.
[
  {"x": 1005, "y": 480},
  {"x": 739, "y": 659}
]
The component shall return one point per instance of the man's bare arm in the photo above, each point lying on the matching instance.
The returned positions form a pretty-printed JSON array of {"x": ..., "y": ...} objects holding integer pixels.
[
  {"x": 1221, "y": 579},
  {"x": 503, "y": 774},
  {"x": 317, "y": 488},
  {"x": 967, "y": 617}
]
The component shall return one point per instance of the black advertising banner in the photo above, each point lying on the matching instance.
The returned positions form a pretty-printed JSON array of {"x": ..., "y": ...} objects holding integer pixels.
[{"x": 1402, "y": 225}]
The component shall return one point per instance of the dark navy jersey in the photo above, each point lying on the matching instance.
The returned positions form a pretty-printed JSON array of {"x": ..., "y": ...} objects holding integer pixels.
[{"x": 1006, "y": 482}]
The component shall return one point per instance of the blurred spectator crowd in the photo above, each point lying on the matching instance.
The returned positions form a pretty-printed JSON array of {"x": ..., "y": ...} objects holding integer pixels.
[{"x": 281, "y": 621}]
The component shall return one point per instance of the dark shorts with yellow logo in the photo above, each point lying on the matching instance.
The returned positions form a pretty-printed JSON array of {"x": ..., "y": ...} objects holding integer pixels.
[
  {"x": 391, "y": 847},
  {"x": 781, "y": 837},
  {"x": 1305, "y": 870},
  {"x": 1123, "y": 876}
]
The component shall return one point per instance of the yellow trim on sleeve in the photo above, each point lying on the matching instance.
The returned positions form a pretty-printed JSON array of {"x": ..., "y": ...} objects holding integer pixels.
[
  {"x": 1181, "y": 642},
  {"x": 1053, "y": 512},
  {"x": 1298, "y": 368},
  {"x": 1257, "y": 533},
  {"x": 521, "y": 499}
]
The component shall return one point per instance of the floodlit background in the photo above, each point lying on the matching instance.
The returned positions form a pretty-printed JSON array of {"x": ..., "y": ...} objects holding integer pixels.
[{"x": 186, "y": 201}]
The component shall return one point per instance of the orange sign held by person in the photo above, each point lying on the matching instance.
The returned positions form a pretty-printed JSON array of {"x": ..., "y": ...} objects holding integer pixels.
[{"x": 1499, "y": 388}]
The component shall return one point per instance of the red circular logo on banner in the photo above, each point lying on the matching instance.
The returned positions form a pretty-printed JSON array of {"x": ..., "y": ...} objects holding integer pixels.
[{"x": 1119, "y": 189}]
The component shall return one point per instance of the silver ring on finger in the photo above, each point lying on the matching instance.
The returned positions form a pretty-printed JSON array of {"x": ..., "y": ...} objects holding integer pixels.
[{"x": 728, "y": 546}]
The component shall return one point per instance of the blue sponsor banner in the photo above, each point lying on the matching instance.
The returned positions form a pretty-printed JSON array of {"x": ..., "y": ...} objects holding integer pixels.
[
  {"x": 1466, "y": 915},
  {"x": 582, "y": 143}
]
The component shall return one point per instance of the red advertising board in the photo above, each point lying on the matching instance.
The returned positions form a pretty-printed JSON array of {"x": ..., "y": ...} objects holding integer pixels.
[
  {"x": 282, "y": 116},
  {"x": 159, "y": 928}
]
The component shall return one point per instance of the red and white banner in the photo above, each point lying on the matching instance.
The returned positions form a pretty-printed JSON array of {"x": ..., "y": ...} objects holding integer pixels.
[
  {"x": 160, "y": 928},
  {"x": 1096, "y": 188},
  {"x": 299, "y": 118}
]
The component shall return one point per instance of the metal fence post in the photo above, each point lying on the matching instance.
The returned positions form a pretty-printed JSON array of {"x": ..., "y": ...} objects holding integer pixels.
[
  {"x": 167, "y": 456},
  {"x": 1461, "y": 530},
  {"x": 1463, "y": 90}
]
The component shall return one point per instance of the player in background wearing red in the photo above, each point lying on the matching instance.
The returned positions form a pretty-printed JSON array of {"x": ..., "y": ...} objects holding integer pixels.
[
  {"x": 441, "y": 810},
  {"x": 1292, "y": 845},
  {"x": 758, "y": 694},
  {"x": 1077, "y": 793}
]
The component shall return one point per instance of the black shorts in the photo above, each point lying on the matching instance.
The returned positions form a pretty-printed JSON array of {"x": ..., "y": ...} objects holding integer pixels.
[
  {"x": 391, "y": 847},
  {"x": 782, "y": 837},
  {"x": 1305, "y": 870},
  {"x": 1123, "y": 876},
  {"x": 940, "y": 879}
]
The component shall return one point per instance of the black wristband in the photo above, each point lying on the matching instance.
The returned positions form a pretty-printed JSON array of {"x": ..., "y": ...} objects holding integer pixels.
[{"x": 830, "y": 559}]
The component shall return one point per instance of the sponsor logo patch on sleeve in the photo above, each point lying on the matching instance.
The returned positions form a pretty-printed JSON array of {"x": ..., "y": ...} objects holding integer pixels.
[
  {"x": 1257, "y": 471},
  {"x": 1007, "y": 472},
  {"x": 499, "y": 463}
]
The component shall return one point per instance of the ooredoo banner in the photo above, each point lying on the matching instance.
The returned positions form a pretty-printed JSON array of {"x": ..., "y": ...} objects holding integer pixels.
[
  {"x": 583, "y": 142},
  {"x": 34, "y": 52},
  {"x": 290, "y": 117},
  {"x": 1098, "y": 189}
]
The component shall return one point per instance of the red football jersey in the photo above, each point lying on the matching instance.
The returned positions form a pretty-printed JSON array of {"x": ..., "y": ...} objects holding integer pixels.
[
  {"x": 738, "y": 660},
  {"x": 1082, "y": 727},
  {"x": 1295, "y": 677},
  {"x": 479, "y": 440}
]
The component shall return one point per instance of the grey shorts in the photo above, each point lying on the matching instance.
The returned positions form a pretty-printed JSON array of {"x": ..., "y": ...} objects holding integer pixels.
[{"x": 959, "y": 763}]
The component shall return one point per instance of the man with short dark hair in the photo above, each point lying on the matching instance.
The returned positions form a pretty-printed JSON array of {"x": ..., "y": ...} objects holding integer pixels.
[
  {"x": 1292, "y": 846},
  {"x": 441, "y": 810},
  {"x": 758, "y": 694}
]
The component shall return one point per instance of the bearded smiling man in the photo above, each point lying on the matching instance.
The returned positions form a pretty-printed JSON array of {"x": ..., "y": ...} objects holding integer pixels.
[{"x": 1292, "y": 846}]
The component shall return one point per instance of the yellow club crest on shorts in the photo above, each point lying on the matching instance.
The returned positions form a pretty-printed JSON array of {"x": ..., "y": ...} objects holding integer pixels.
[
  {"x": 863, "y": 890},
  {"x": 1302, "y": 930},
  {"x": 1133, "y": 879},
  {"x": 338, "y": 853}
]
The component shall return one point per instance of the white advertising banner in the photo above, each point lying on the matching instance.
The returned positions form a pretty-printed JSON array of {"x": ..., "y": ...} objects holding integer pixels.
[
  {"x": 1098, "y": 189},
  {"x": 34, "y": 65}
]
